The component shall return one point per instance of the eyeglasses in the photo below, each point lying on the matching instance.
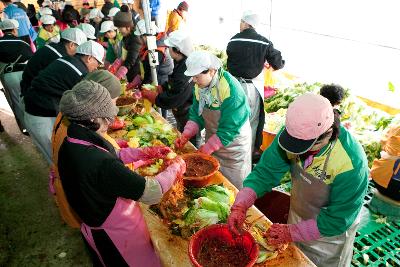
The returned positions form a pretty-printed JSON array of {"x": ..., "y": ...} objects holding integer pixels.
[{"x": 205, "y": 71}]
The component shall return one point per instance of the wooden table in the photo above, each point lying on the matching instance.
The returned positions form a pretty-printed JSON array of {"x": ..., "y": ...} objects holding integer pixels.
[{"x": 173, "y": 250}]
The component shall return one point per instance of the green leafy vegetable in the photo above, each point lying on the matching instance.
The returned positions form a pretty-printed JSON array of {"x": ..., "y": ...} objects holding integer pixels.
[{"x": 216, "y": 193}]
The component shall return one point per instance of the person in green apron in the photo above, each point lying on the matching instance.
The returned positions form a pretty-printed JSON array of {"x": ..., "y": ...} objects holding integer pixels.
[
  {"x": 329, "y": 172},
  {"x": 219, "y": 106}
]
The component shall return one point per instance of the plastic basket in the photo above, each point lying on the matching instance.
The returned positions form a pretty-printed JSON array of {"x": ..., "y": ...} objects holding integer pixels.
[{"x": 376, "y": 244}]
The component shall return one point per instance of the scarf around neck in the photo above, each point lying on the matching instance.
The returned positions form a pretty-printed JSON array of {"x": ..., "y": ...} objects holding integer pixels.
[{"x": 205, "y": 96}]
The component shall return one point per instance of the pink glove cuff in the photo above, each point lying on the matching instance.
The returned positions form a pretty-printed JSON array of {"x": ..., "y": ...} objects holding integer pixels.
[
  {"x": 245, "y": 198},
  {"x": 167, "y": 177},
  {"x": 213, "y": 144},
  {"x": 304, "y": 231},
  {"x": 190, "y": 130}
]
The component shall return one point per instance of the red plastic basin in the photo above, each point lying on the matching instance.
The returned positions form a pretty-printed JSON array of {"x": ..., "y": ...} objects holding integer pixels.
[{"x": 221, "y": 232}]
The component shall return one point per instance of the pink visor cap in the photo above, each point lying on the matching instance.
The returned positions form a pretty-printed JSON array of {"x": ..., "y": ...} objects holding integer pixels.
[{"x": 307, "y": 117}]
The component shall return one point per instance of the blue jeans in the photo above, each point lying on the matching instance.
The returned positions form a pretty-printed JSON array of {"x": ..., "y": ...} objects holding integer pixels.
[
  {"x": 11, "y": 82},
  {"x": 40, "y": 130}
]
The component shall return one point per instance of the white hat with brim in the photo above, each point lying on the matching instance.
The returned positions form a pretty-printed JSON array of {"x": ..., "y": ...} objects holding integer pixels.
[
  {"x": 47, "y": 20},
  {"x": 88, "y": 29},
  {"x": 107, "y": 26},
  {"x": 180, "y": 40},
  {"x": 91, "y": 48},
  {"x": 199, "y": 61},
  {"x": 95, "y": 13},
  {"x": 113, "y": 11},
  {"x": 45, "y": 11},
  {"x": 251, "y": 18},
  {"x": 46, "y": 3},
  {"x": 9, "y": 24},
  {"x": 74, "y": 35},
  {"x": 141, "y": 28}
]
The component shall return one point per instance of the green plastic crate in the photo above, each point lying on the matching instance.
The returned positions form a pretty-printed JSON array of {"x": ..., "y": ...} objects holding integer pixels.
[{"x": 376, "y": 244}]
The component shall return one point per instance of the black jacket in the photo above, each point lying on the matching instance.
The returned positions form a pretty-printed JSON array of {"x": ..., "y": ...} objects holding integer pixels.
[
  {"x": 92, "y": 178},
  {"x": 132, "y": 45},
  {"x": 247, "y": 51},
  {"x": 12, "y": 47},
  {"x": 165, "y": 65},
  {"x": 105, "y": 9},
  {"x": 178, "y": 92},
  {"x": 40, "y": 60},
  {"x": 43, "y": 96}
]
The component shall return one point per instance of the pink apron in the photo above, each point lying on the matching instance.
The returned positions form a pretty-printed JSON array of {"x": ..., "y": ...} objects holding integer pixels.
[{"x": 126, "y": 228}]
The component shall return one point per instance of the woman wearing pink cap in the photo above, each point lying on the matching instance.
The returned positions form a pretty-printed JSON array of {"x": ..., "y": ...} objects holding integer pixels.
[{"x": 329, "y": 180}]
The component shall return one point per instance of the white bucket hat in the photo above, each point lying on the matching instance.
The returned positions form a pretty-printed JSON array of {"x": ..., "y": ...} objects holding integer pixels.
[
  {"x": 113, "y": 11},
  {"x": 95, "y": 13},
  {"x": 181, "y": 40},
  {"x": 74, "y": 35},
  {"x": 199, "y": 61},
  {"x": 91, "y": 48},
  {"x": 107, "y": 26},
  {"x": 88, "y": 30},
  {"x": 9, "y": 24},
  {"x": 251, "y": 18},
  {"x": 45, "y": 11},
  {"x": 141, "y": 28},
  {"x": 46, "y": 3},
  {"x": 47, "y": 20}
]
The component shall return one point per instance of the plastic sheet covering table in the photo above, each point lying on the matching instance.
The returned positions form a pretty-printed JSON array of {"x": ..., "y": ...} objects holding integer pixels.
[{"x": 173, "y": 250}]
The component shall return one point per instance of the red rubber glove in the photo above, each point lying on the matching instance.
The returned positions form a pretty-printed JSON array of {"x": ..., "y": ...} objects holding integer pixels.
[
  {"x": 213, "y": 144},
  {"x": 190, "y": 130},
  {"x": 244, "y": 200},
  {"x": 284, "y": 233},
  {"x": 167, "y": 178},
  {"x": 150, "y": 95}
]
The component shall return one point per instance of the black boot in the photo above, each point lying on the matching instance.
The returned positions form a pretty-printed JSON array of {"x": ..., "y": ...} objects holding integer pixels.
[{"x": 1, "y": 128}]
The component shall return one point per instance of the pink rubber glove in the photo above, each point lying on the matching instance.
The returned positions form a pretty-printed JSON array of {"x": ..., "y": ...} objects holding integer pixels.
[
  {"x": 213, "y": 144},
  {"x": 115, "y": 66},
  {"x": 244, "y": 200},
  {"x": 150, "y": 95},
  {"x": 168, "y": 176},
  {"x": 121, "y": 72},
  {"x": 135, "y": 83},
  {"x": 129, "y": 154},
  {"x": 284, "y": 233},
  {"x": 190, "y": 130}
]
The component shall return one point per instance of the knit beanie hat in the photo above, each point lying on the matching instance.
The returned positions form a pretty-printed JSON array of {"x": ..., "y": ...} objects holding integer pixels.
[
  {"x": 87, "y": 100},
  {"x": 106, "y": 79},
  {"x": 123, "y": 19}
]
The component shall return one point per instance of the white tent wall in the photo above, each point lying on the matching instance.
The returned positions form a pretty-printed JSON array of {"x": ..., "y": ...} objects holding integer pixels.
[{"x": 351, "y": 42}]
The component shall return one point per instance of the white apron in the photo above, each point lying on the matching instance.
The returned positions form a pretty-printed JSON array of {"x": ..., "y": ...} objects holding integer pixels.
[
  {"x": 235, "y": 159},
  {"x": 254, "y": 91}
]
